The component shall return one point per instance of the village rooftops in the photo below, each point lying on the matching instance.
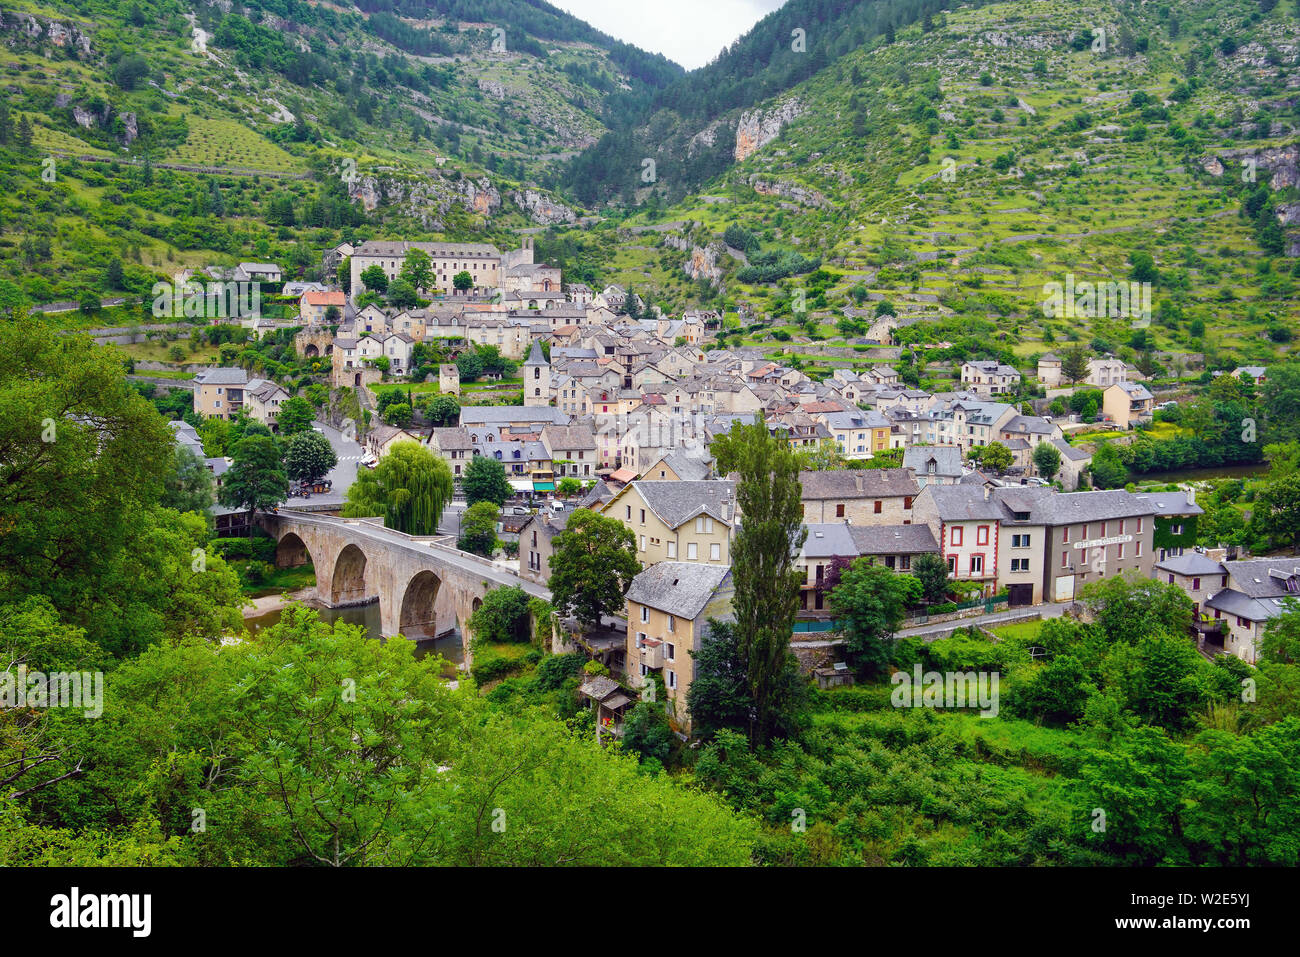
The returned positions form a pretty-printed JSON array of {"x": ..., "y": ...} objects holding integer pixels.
[
  {"x": 857, "y": 483},
  {"x": 506, "y": 414},
  {"x": 892, "y": 539},
  {"x": 681, "y": 501},
  {"x": 1171, "y": 503},
  {"x": 222, "y": 375},
  {"x": 1191, "y": 563},
  {"x": 678, "y": 588}
]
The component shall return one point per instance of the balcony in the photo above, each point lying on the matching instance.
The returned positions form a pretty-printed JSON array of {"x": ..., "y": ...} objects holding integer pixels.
[{"x": 652, "y": 654}]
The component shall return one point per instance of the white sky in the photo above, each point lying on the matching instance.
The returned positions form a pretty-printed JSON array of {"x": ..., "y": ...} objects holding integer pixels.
[{"x": 691, "y": 32}]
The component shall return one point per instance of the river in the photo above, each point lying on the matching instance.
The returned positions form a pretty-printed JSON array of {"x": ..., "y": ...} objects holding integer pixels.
[{"x": 368, "y": 617}]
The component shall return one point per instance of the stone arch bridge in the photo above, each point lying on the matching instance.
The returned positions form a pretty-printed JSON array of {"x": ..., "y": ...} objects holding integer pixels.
[{"x": 424, "y": 587}]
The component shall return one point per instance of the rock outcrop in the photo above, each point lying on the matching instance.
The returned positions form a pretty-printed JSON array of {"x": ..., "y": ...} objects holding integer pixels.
[
  {"x": 757, "y": 128},
  {"x": 542, "y": 209}
]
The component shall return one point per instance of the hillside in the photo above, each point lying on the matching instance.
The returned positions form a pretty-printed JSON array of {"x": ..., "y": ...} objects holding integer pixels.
[
  {"x": 171, "y": 134},
  {"x": 951, "y": 175}
]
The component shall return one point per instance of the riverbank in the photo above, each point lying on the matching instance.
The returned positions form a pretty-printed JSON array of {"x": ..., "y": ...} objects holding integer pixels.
[{"x": 270, "y": 603}]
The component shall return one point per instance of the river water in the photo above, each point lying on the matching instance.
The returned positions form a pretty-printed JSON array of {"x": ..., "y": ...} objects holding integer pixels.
[{"x": 368, "y": 617}]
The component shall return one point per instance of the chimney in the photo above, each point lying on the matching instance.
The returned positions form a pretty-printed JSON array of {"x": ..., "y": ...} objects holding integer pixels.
[{"x": 1191, "y": 496}]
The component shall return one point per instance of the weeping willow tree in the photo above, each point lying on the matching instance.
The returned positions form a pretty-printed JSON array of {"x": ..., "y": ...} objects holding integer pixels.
[{"x": 409, "y": 487}]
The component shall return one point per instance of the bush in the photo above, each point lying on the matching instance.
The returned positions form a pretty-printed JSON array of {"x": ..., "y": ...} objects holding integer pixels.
[
  {"x": 261, "y": 549},
  {"x": 488, "y": 667},
  {"x": 554, "y": 670}
]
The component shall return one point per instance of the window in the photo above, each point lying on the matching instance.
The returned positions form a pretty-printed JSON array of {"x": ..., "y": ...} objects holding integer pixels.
[
  {"x": 1020, "y": 564},
  {"x": 1065, "y": 535},
  {"x": 977, "y": 564},
  {"x": 645, "y": 612},
  {"x": 1171, "y": 579},
  {"x": 952, "y": 564},
  {"x": 1196, "y": 584},
  {"x": 1065, "y": 559},
  {"x": 692, "y": 551},
  {"x": 1139, "y": 531},
  {"x": 672, "y": 680},
  {"x": 1176, "y": 529},
  {"x": 642, "y": 543},
  {"x": 715, "y": 552},
  {"x": 957, "y": 535},
  {"x": 642, "y": 516},
  {"x": 1137, "y": 550},
  {"x": 1121, "y": 526},
  {"x": 1119, "y": 550},
  {"x": 629, "y": 513},
  {"x": 670, "y": 650},
  {"x": 640, "y": 639},
  {"x": 839, "y": 509},
  {"x": 672, "y": 549},
  {"x": 907, "y": 501},
  {"x": 876, "y": 508},
  {"x": 982, "y": 535},
  {"x": 1019, "y": 541}
]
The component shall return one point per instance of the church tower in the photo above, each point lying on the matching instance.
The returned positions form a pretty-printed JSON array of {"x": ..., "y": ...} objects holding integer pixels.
[{"x": 537, "y": 377}]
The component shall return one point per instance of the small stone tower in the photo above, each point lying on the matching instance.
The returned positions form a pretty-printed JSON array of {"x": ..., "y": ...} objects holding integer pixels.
[{"x": 537, "y": 377}]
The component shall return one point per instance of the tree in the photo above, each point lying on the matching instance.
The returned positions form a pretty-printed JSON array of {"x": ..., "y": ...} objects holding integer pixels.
[
  {"x": 402, "y": 294},
  {"x": 1074, "y": 364},
  {"x": 646, "y": 732},
  {"x": 478, "y": 529},
  {"x": 1276, "y": 512},
  {"x": 932, "y": 572},
  {"x": 825, "y": 456},
  {"x": 409, "y": 487},
  {"x": 417, "y": 269},
  {"x": 1126, "y": 608},
  {"x": 1047, "y": 459},
  {"x": 462, "y": 281},
  {"x": 443, "y": 410},
  {"x": 310, "y": 457},
  {"x": 995, "y": 456},
  {"x": 296, "y": 415},
  {"x": 504, "y": 616},
  {"x": 592, "y": 565},
  {"x": 190, "y": 487},
  {"x": 767, "y": 581},
  {"x": 80, "y": 455},
  {"x": 375, "y": 279},
  {"x": 871, "y": 601},
  {"x": 344, "y": 274},
  {"x": 485, "y": 481},
  {"x": 1107, "y": 468},
  {"x": 256, "y": 478},
  {"x": 398, "y": 414}
]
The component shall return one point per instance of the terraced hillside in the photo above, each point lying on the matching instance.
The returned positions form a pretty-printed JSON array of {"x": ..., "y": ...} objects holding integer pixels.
[
  {"x": 949, "y": 177},
  {"x": 162, "y": 134}
]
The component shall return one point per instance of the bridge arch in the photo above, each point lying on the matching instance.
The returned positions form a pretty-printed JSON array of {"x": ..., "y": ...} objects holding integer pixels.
[
  {"x": 291, "y": 551},
  {"x": 418, "y": 618},
  {"x": 348, "y": 583}
]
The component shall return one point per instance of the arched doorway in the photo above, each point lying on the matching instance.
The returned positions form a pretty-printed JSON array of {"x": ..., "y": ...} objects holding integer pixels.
[
  {"x": 348, "y": 585},
  {"x": 357, "y": 380},
  {"x": 418, "y": 619},
  {"x": 311, "y": 352}
]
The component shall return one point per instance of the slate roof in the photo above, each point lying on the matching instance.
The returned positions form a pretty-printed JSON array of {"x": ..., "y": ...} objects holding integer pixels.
[
  {"x": 451, "y": 439},
  {"x": 564, "y": 437},
  {"x": 947, "y": 459},
  {"x": 826, "y": 540},
  {"x": 679, "y": 588},
  {"x": 857, "y": 483},
  {"x": 893, "y": 539},
  {"x": 960, "y": 503},
  {"x": 535, "y": 355},
  {"x": 1191, "y": 563},
  {"x": 688, "y": 469},
  {"x": 1171, "y": 503},
  {"x": 1253, "y": 576},
  {"x": 1068, "y": 451},
  {"x": 221, "y": 375},
  {"x": 678, "y": 502}
]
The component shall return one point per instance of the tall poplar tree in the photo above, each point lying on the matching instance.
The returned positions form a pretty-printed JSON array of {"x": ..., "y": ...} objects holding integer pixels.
[{"x": 766, "y": 579}]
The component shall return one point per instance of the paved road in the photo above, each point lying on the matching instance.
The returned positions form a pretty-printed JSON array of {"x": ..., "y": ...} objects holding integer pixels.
[
  {"x": 935, "y": 630},
  {"x": 342, "y": 475}
]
